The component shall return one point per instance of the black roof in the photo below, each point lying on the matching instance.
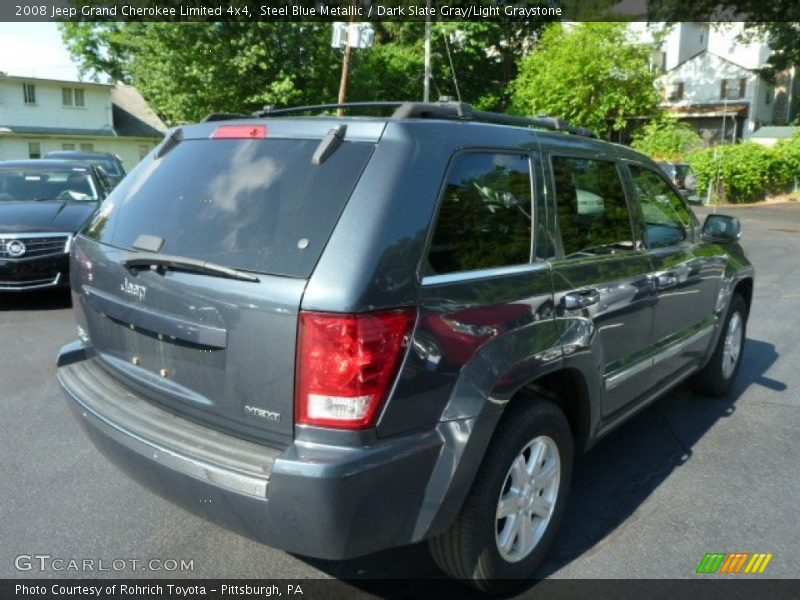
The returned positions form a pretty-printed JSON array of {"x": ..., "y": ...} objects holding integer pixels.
[
  {"x": 66, "y": 131},
  {"x": 72, "y": 155},
  {"x": 127, "y": 124}
]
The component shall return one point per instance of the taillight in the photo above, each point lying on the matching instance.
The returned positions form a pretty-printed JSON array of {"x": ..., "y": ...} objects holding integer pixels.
[
  {"x": 346, "y": 365},
  {"x": 228, "y": 132}
]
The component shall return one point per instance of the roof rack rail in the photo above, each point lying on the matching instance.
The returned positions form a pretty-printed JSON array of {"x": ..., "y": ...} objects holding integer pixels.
[
  {"x": 269, "y": 111},
  {"x": 463, "y": 111},
  {"x": 223, "y": 117},
  {"x": 446, "y": 110}
]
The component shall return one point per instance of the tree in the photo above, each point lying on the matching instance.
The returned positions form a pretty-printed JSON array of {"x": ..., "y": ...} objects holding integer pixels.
[
  {"x": 590, "y": 74},
  {"x": 187, "y": 70},
  {"x": 666, "y": 139}
]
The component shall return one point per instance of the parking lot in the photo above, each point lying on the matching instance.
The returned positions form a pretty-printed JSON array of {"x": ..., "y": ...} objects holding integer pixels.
[{"x": 689, "y": 475}]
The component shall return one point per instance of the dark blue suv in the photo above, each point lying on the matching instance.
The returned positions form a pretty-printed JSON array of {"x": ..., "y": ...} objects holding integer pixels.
[{"x": 339, "y": 335}]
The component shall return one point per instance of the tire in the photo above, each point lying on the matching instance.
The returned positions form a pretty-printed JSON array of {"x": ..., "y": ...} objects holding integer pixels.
[
  {"x": 469, "y": 550},
  {"x": 717, "y": 377}
]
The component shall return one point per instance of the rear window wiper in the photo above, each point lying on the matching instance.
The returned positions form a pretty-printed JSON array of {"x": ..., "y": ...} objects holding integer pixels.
[{"x": 165, "y": 262}]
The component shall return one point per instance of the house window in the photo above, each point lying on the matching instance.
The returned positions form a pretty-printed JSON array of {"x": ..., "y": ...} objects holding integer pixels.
[
  {"x": 768, "y": 95},
  {"x": 733, "y": 89},
  {"x": 29, "y": 93},
  {"x": 34, "y": 150},
  {"x": 143, "y": 150},
  {"x": 658, "y": 61},
  {"x": 675, "y": 91},
  {"x": 72, "y": 97},
  {"x": 87, "y": 147},
  {"x": 68, "y": 146}
]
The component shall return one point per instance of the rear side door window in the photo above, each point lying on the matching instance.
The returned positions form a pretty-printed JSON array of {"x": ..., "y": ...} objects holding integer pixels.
[
  {"x": 484, "y": 218},
  {"x": 667, "y": 221},
  {"x": 592, "y": 211}
]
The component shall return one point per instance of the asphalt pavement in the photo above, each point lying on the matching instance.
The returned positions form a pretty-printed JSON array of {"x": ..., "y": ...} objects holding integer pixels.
[{"x": 689, "y": 475}]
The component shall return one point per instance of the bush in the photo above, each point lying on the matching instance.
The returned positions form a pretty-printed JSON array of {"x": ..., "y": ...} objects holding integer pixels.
[
  {"x": 666, "y": 139},
  {"x": 743, "y": 172},
  {"x": 786, "y": 159}
]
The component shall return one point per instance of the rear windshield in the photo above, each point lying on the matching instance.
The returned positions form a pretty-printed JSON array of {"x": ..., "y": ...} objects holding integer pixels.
[
  {"x": 254, "y": 205},
  {"x": 109, "y": 166}
]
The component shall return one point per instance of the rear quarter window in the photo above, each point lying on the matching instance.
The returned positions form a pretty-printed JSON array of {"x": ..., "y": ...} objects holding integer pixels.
[
  {"x": 253, "y": 205},
  {"x": 484, "y": 218}
]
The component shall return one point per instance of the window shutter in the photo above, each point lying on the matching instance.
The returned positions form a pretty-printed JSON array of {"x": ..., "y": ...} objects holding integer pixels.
[
  {"x": 723, "y": 89},
  {"x": 680, "y": 91},
  {"x": 742, "y": 87}
]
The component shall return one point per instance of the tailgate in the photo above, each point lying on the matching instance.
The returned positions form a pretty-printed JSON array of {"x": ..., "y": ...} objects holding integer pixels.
[{"x": 215, "y": 348}]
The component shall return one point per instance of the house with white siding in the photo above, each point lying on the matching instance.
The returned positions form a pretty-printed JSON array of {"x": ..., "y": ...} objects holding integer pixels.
[
  {"x": 710, "y": 79},
  {"x": 41, "y": 115}
]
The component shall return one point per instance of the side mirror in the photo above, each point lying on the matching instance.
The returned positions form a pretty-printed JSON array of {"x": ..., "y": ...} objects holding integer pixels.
[{"x": 721, "y": 229}]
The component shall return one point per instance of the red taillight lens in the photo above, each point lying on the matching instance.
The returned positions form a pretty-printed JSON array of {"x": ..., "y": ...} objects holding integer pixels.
[
  {"x": 346, "y": 365},
  {"x": 228, "y": 132}
]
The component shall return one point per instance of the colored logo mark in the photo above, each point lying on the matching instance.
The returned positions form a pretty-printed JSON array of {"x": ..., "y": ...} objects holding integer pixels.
[{"x": 736, "y": 562}]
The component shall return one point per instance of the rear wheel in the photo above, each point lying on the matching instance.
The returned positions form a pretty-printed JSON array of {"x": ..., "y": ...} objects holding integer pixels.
[
  {"x": 510, "y": 517},
  {"x": 717, "y": 377}
]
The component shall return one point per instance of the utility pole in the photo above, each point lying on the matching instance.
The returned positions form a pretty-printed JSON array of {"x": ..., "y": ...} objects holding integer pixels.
[
  {"x": 426, "y": 94},
  {"x": 346, "y": 64}
]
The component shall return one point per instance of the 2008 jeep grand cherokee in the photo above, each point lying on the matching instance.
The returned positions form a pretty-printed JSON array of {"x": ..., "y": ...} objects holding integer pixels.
[{"x": 338, "y": 335}]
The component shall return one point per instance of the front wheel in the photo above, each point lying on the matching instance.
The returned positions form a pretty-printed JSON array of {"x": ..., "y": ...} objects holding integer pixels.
[
  {"x": 510, "y": 517},
  {"x": 717, "y": 377}
]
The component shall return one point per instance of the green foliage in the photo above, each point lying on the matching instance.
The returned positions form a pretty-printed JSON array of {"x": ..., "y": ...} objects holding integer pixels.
[
  {"x": 739, "y": 172},
  {"x": 590, "y": 74},
  {"x": 666, "y": 139},
  {"x": 786, "y": 162},
  {"x": 186, "y": 70},
  {"x": 784, "y": 41},
  {"x": 485, "y": 59}
]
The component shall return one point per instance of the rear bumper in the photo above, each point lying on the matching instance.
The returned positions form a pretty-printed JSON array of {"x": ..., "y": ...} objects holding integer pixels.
[{"x": 315, "y": 500}]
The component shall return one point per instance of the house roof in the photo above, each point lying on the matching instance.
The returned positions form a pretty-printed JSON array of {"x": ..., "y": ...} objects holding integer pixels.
[
  {"x": 709, "y": 53},
  {"x": 132, "y": 115},
  {"x": 48, "y": 80},
  {"x": 63, "y": 131},
  {"x": 775, "y": 132},
  {"x": 709, "y": 109}
]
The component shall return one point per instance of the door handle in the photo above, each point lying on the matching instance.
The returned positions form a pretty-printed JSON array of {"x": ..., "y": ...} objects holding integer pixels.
[
  {"x": 581, "y": 299},
  {"x": 666, "y": 280}
]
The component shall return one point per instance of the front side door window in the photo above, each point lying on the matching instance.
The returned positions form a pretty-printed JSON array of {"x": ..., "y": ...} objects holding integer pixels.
[{"x": 592, "y": 212}]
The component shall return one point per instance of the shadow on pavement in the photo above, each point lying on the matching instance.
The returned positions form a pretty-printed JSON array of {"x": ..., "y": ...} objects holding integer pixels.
[
  {"x": 53, "y": 299},
  {"x": 610, "y": 482}
]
